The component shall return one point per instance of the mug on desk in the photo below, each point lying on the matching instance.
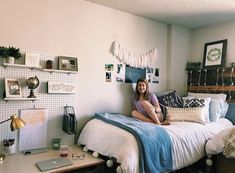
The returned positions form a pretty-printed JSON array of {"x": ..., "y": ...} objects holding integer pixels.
[
  {"x": 56, "y": 143},
  {"x": 64, "y": 150}
]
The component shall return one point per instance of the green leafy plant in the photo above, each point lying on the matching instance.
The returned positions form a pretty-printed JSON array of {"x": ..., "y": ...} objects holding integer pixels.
[
  {"x": 3, "y": 52},
  {"x": 14, "y": 52},
  {"x": 193, "y": 65},
  {"x": 6, "y": 52}
]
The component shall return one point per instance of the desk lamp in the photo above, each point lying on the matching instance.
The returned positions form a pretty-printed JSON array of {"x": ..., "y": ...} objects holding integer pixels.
[{"x": 16, "y": 123}]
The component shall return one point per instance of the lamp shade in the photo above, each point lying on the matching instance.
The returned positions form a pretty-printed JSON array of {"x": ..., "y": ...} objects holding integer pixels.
[{"x": 16, "y": 123}]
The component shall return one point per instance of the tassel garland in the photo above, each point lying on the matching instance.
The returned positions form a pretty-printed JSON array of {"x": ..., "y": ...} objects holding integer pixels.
[{"x": 134, "y": 60}]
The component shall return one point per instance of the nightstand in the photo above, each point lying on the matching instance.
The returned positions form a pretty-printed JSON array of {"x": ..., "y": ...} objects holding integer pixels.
[
  {"x": 225, "y": 165},
  {"x": 21, "y": 164}
]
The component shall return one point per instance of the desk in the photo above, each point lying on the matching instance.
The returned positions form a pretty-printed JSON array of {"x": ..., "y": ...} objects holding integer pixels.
[{"x": 19, "y": 163}]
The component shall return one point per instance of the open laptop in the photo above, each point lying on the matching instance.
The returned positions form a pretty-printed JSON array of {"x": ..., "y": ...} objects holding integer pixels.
[{"x": 54, "y": 163}]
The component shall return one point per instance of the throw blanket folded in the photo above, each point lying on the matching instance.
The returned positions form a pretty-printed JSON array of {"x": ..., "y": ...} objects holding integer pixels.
[
  {"x": 229, "y": 148},
  {"x": 154, "y": 142}
]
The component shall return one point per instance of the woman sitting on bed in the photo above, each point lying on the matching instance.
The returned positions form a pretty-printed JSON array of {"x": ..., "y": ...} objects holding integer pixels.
[{"x": 145, "y": 104}]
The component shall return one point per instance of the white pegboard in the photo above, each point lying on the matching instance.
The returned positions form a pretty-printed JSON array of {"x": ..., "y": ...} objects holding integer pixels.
[{"x": 53, "y": 102}]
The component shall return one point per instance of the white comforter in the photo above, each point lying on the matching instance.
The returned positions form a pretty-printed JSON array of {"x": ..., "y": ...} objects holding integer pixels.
[{"x": 188, "y": 142}]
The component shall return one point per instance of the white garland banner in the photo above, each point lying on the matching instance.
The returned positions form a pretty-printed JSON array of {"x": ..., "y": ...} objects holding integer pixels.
[{"x": 134, "y": 59}]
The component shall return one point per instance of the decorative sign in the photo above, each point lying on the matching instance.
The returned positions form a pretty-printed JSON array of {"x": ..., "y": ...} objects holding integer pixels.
[
  {"x": 132, "y": 74},
  {"x": 62, "y": 87}
]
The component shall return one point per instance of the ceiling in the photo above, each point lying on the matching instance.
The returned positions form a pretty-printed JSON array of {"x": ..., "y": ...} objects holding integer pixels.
[{"x": 190, "y": 14}]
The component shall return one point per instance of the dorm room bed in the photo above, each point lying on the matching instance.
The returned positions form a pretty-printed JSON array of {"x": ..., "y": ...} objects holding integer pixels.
[{"x": 106, "y": 136}]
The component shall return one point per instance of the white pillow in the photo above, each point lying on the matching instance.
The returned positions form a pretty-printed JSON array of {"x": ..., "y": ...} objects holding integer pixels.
[
  {"x": 218, "y": 109},
  {"x": 216, "y": 144},
  {"x": 185, "y": 114},
  {"x": 220, "y": 96},
  {"x": 189, "y": 102}
]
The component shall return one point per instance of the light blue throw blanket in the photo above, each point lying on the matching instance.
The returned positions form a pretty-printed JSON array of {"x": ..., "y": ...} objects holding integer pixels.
[{"x": 153, "y": 140}]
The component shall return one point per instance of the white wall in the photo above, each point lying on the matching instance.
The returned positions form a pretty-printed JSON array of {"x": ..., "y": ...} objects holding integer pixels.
[
  {"x": 81, "y": 28},
  {"x": 214, "y": 33},
  {"x": 179, "y": 49}
]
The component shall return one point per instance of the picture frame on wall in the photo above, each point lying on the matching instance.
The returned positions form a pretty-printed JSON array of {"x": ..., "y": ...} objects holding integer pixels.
[
  {"x": 32, "y": 59},
  {"x": 12, "y": 88},
  {"x": 214, "y": 54},
  {"x": 68, "y": 63}
]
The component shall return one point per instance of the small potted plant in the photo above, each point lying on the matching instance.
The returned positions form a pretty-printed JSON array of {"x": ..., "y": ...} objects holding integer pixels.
[
  {"x": 10, "y": 53},
  {"x": 192, "y": 66},
  {"x": 3, "y": 52}
]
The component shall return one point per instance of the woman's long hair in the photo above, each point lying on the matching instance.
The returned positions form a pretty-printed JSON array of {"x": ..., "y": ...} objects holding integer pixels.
[{"x": 146, "y": 93}]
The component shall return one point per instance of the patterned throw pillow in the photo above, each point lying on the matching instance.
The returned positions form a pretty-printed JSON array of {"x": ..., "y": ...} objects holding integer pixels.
[
  {"x": 218, "y": 105},
  {"x": 191, "y": 102},
  {"x": 186, "y": 114},
  {"x": 171, "y": 99}
]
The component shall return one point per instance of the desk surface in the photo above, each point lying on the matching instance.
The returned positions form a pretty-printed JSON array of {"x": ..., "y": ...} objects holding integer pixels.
[{"x": 21, "y": 164}]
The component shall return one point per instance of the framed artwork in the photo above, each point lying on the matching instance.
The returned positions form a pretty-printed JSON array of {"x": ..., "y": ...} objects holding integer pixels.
[
  {"x": 68, "y": 63},
  {"x": 32, "y": 59},
  {"x": 214, "y": 54},
  {"x": 12, "y": 88},
  {"x": 55, "y": 87}
]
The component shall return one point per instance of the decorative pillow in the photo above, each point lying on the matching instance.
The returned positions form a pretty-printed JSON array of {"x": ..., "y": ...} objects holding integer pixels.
[
  {"x": 191, "y": 102},
  {"x": 230, "y": 115},
  {"x": 169, "y": 98},
  {"x": 164, "y": 93},
  {"x": 207, "y": 95},
  {"x": 218, "y": 109},
  {"x": 185, "y": 114}
]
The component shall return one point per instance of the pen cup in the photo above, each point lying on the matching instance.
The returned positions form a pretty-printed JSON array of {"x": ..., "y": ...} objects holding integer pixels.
[
  {"x": 11, "y": 149},
  {"x": 56, "y": 144}
]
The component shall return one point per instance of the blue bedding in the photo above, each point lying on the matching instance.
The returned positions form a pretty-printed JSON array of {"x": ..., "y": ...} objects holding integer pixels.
[{"x": 153, "y": 141}]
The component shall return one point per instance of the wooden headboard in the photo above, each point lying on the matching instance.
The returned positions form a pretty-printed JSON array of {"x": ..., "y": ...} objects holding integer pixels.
[{"x": 220, "y": 80}]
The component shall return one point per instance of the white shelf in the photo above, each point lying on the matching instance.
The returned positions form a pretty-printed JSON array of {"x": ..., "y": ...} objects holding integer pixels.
[
  {"x": 60, "y": 71},
  {"x": 20, "y": 99},
  {"x": 21, "y": 66}
]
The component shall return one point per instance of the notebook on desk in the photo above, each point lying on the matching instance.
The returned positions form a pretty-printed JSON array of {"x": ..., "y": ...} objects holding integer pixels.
[{"x": 54, "y": 163}]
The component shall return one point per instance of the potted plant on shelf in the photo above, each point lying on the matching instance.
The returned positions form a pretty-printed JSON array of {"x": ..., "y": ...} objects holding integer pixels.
[
  {"x": 10, "y": 53},
  {"x": 192, "y": 66},
  {"x": 3, "y": 52}
]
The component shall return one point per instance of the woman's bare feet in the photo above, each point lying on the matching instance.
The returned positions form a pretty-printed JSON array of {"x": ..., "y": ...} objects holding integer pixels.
[{"x": 166, "y": 123}]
